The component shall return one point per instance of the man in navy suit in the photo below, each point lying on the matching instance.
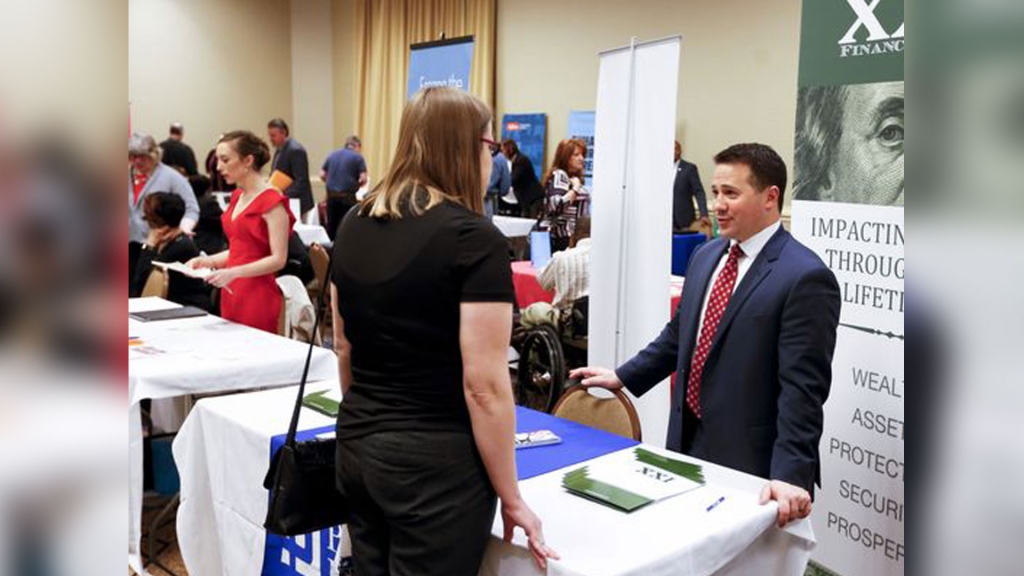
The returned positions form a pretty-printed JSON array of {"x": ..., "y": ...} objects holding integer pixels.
[
  {"x": 290, "y": 157},
  {"x": 751, "y": 342},
  {"x": 685, "y": 190}
]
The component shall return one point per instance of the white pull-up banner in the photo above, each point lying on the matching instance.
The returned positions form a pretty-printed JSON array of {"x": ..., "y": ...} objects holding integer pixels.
[{"x": 631, "y": 259}]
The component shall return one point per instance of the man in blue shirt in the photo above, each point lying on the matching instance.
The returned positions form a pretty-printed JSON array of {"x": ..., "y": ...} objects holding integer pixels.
[
  {"x": 501, "y": 181},
  {"x": 344, "y": 172}
]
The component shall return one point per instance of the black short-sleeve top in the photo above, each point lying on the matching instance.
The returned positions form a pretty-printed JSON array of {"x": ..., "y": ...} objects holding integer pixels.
[{"x": 400, "y": 283}]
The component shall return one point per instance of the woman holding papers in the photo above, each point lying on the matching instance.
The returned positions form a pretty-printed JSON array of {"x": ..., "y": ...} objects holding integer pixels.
[
  {"x": 256, "y": 223},
  {"x": 566, "y": 198},
  {"x": 422, "y": 318}
]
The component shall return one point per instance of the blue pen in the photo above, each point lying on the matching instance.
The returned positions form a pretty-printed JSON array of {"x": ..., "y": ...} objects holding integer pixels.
[{"x": 715, "y": 504}]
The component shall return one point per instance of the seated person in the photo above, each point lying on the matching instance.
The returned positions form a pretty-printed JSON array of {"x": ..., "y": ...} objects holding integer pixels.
[
  {"x": 209, "y": 232},
  {"x": 298, "y": 263},
  {"x": 568, "y": 272},
  {"x": 166, "y": 242}
]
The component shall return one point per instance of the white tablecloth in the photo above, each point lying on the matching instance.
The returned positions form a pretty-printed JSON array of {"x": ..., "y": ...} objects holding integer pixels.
[
  {"x": 677, "y": 536},
  {"x": 222, "y": 454},
  {"x": 310, "y": 233},
  {"x": 200, "y": 356},
  {"x": 513, "y": 227}
]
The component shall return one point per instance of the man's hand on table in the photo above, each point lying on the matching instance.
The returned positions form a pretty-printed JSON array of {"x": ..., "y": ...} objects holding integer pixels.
[
  {"x": 596, "y": 376},
  {"x": 794, "y": 501}
]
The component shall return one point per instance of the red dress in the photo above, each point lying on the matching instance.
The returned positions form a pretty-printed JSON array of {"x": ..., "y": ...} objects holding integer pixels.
[{"x": 254, "y": 301}]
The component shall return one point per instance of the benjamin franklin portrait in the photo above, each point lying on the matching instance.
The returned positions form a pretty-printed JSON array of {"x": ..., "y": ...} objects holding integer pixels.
[{"x": 849, "y": 144}]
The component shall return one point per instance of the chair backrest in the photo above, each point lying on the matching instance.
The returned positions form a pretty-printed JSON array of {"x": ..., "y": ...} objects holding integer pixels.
[
  {"x": 320, "y": 259},
  {"x": 616, "y": 415},
  {"x": 157, "y": 284},
  {"x": 297, "y": 312}
]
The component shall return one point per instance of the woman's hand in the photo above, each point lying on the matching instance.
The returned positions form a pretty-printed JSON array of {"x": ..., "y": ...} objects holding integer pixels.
[
  {"x": 223, "y": 277},
  {"x": 199, "y": 262},
  {"x": 517, "y": 513}
]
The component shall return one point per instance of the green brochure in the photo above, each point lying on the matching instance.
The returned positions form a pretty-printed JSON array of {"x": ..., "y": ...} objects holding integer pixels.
[{"x": 321, "y": 403}]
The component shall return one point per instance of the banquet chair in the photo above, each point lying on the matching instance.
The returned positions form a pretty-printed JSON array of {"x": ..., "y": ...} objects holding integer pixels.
[
  {"x": 615, "y": 415},
  {"x": 157, "y": 284}
]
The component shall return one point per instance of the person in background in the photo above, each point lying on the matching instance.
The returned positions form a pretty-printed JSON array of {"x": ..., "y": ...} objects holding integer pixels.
[
  {"x": 500, "y": 182},
  {"x": 525, "y": 186},
  {"x": 568, "y": 271},
  {"x": 751, "y": 341},
  {"x": 209, "y": 231},
  {"x": 428, "y": 421},
  {"x": 344, "y": 172},
  {"x": 146, "y": 174},
  {"x": 298, "y": 263},
  {"x": 166, "y": 242},
  {"x": 217, "y": 182},
  {"x": 256, "y": 223},
  {"x": 566, "y": 199},
  {"x": 685, "y": 190},
  {"x": 177, "y": 154},
  {"x": 291, "y": 158}
]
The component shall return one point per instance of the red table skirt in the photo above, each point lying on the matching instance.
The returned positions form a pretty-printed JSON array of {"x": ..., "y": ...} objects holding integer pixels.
[{"x": 528, "y": 290}]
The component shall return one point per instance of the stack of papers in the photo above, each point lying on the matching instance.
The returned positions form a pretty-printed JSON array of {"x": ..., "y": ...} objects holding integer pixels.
[
  {"x": 631, "y": 479},
  {"x": 180, "y": 268}
]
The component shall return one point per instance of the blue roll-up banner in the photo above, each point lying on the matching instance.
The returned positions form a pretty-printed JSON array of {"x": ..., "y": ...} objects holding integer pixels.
[
  {"x": 529, "y": 132},
  {"x": 440, "y": 63},
  {"x": 581, "y": 126}
]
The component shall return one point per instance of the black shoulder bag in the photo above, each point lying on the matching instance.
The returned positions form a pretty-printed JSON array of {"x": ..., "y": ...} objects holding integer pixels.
[{"x": 301, "y": 479}]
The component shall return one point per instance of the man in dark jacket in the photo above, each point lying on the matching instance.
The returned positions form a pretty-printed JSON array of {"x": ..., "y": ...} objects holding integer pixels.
[
  {"x": 687, "y": 187},
  {"x": 290, "y": 158}
]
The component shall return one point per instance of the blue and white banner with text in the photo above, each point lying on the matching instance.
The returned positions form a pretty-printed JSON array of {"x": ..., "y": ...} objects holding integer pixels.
[{"x": 441, "y": 63}]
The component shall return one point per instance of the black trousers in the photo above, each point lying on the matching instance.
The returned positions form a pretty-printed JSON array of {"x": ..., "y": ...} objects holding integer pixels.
[
  {"x": 338, "y": 204},
  {"x": 421, "y": 503}
]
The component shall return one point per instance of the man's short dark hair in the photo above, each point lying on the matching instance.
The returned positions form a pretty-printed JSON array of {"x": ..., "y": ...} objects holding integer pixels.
[
  {"x": 164, "y": 209},
  {"x": 353, "y": 141},
  {"x": 280, "y": 124},
  {"x": 177, "y": 129},
  {"x": 766, "y": 166}
]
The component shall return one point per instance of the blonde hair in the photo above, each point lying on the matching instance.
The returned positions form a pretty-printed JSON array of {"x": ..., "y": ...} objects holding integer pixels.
[{"x": 437, "y": 157}]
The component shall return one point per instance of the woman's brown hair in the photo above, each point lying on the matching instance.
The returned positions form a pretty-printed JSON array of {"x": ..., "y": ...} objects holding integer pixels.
[
  {"x": 248, "y": 144},
  {"x": 563, "y": 154},
  {"x": 437, "y": 157}
]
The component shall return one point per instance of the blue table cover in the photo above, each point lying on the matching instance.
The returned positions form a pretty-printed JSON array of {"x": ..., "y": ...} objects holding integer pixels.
[{"x": 579, "y": 443}]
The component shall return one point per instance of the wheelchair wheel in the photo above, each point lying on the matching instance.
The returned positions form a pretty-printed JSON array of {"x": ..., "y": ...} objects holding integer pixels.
[{"x": 541, "y": 373}]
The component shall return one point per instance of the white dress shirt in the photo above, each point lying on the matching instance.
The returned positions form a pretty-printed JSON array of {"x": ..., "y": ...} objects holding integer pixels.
[{"x": 751, "y": 248}]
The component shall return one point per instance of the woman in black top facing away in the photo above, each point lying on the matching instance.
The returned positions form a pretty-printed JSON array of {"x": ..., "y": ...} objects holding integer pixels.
[
  {"x": 166, "y": 242},
  {"x": 422, "y": 319}
]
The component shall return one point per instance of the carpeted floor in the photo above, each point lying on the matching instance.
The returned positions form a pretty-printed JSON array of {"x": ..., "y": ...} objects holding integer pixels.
[{"x": 168, "y": 557}]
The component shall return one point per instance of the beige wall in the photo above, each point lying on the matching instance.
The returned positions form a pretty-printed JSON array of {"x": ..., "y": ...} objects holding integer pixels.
[
  {"x": 737, "y": 73},
  {"x": 345, "y": 79},
  {"x": 313, "y": 78},
  {"x": 214, "y": 65}
]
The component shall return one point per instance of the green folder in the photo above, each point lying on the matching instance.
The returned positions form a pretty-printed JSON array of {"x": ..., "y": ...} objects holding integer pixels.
[
  {"x": 579, "y": 483},
  {"x": 317, "y": 401}
]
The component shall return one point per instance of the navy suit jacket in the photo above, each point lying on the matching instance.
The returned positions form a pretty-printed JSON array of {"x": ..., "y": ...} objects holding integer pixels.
[
  {"x": 769, "y": 368},
  {"x": 291, "y": 158},
  {"x": 685, "y": 190}
]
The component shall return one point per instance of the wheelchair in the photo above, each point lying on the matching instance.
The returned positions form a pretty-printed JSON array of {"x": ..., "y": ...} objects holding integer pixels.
[{"x": 546, "y": 355}]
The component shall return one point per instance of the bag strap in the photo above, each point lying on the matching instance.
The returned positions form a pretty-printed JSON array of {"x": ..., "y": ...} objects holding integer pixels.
[{"x": 294, "y": 425}]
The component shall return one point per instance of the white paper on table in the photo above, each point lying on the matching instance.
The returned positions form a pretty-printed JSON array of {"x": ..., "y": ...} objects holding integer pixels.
[{"x": 623, "y": 470}]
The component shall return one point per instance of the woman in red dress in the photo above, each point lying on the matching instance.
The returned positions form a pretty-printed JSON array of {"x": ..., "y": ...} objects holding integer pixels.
[{"x": 256, "y": 223}]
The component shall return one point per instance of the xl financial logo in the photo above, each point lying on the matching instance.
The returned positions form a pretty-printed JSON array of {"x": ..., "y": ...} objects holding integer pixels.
[{"x": 878, "y": 41}]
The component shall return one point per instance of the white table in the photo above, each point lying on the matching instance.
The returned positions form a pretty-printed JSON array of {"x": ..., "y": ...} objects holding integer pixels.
[
  {"x": 222, "y": 454},
  {"x": 224, "y": 504},
  {"x": 312, "y": 233},
  {"x": 200, "y": 356},
  {"x": 677, "y": 536}
]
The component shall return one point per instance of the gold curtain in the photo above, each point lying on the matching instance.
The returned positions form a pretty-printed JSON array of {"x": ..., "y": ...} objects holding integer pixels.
[{"x": 384, "y": 31}]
